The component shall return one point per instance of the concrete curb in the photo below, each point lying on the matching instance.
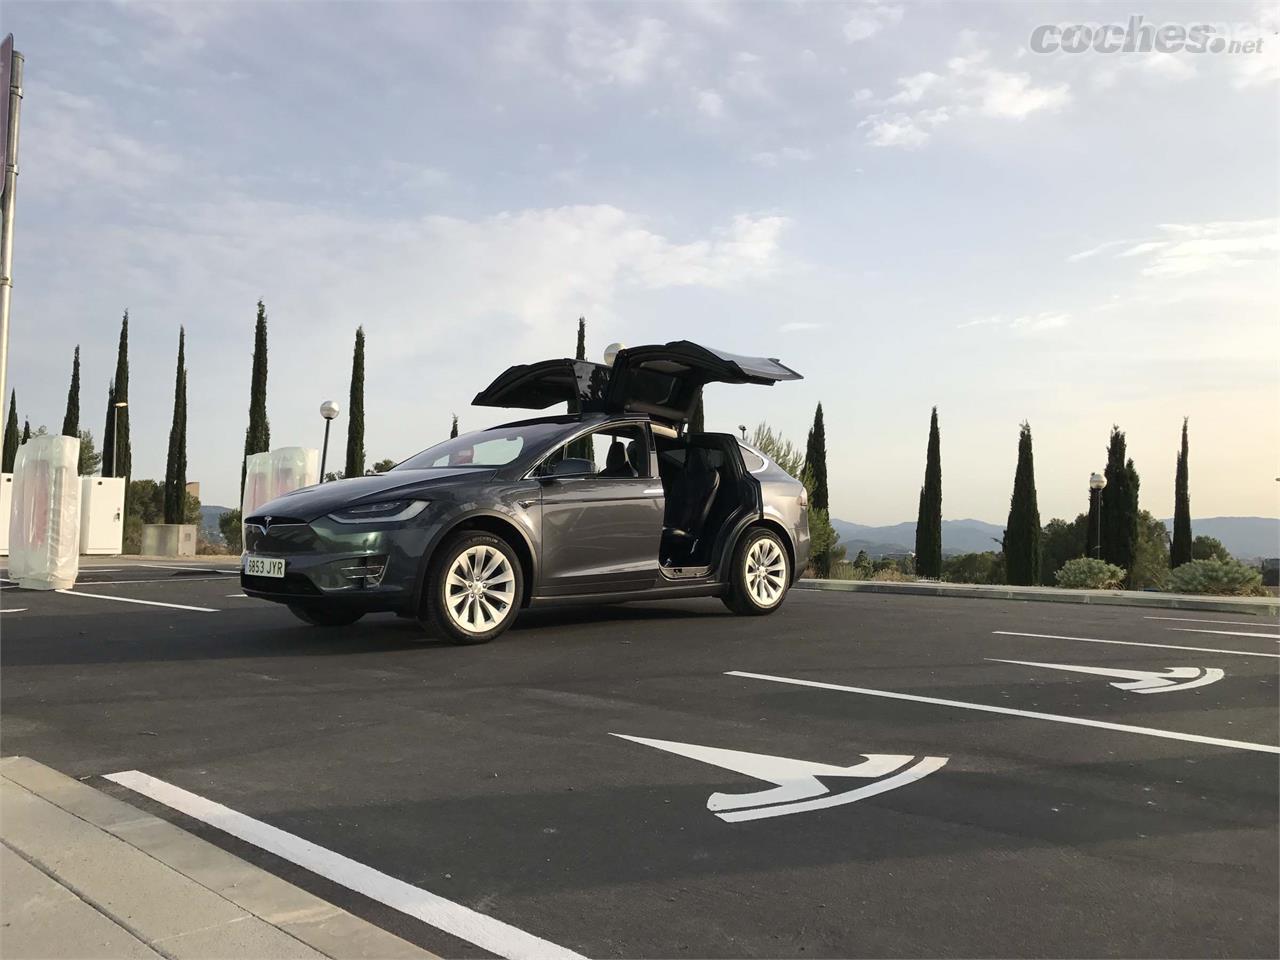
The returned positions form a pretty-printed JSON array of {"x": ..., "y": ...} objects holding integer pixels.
[
  {"x": 168, "y": 888},
  {"x": 1248, "y": 606}
]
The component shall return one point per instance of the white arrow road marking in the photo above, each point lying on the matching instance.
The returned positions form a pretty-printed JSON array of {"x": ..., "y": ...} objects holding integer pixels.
[
  {"x": 1138, "y": 681},
  {"x": 798, "y": 788}
]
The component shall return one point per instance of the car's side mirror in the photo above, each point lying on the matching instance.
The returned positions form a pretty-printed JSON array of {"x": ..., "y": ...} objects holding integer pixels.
[{"x": 570, "y": 467}]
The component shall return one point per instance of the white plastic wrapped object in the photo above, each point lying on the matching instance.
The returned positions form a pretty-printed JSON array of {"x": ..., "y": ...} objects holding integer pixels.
[
  {"x": 44, "y": 527},
  {"x": 271, "y": 475}
]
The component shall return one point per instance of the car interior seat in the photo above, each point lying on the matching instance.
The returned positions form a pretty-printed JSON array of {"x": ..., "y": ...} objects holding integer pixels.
[
  {"x": 636, "y": 456},
  {"x": 616, "y": 463},
  {"x": 692, "y": 494}
]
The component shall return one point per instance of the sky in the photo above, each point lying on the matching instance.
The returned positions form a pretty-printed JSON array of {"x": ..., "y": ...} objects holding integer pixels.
[{"x": 902, "y": 201}]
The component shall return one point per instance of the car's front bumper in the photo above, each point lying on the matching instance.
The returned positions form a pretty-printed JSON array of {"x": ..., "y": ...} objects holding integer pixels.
[{"x": 375, "y": 569}]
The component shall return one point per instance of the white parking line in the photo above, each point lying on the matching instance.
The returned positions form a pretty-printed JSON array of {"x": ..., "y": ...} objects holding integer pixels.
[
  {"x": 198, "y": 568},
  {"x": 233, "y": 595},
  {"x": 1231, "y": 623},
  {"x": 1010, "y": 711},
  {"x": 149, "y": 603},
  {"x": 453, "y": 918},
  {"x": 160, "y": 580},
  {"x": 15, "y": 610},
  {"x": 1224, "y": 633},
  {"x": 1135, "y": 643}
]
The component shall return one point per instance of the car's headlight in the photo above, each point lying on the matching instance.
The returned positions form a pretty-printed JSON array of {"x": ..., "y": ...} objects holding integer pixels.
[{"x": 392, "y": 511}]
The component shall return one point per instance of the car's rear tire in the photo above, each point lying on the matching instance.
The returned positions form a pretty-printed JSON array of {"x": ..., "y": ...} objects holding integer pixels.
[
  {"x": 759, "y": 574},
  {"x": 473, "y": 589},
  {"x": 325, "y": 615}
]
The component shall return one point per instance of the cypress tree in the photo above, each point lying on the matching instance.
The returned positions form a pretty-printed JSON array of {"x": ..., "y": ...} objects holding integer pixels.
[
  {"x": 26, "y": 431},
  {"x": 929, "y": 520},
  {"x": 1119, "y": 505},
  {"x": 175, "y": 476},
  {"x": 355, "y": 413},
  {"x": 10, "y": 438},
  {"x": 1022, "y": 534},
  {"x": 71, "y": 422},
  {"x": 453, "y": 430},
  {"x": 109, "y": 434},
  {"x": 815, "y": 461},
  {"x": 1180, "y": 551},
  {"x": 580, "y": 448},
  {"x": 257, "y": 438},
  {"x": 120, "y": 437}
]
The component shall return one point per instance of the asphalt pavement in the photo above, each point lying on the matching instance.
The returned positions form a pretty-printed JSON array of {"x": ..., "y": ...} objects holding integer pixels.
[{"x": 857, "y": 775}]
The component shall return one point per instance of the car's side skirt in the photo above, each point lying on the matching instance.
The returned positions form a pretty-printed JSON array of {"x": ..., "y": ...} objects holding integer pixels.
[{"x": 671, "y": 592}]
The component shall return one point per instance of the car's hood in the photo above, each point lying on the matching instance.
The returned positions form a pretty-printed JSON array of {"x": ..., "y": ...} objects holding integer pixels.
[{"x": 309, "y": 503}]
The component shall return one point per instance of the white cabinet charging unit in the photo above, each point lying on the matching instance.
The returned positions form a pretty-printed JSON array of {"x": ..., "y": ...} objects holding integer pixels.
[
  {"x": 6, "y": 507},
  {"x": 101, "y": 516}
]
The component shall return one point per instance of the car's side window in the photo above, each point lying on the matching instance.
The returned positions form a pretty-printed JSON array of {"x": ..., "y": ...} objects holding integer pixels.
[{"x": 620, "y": 452}]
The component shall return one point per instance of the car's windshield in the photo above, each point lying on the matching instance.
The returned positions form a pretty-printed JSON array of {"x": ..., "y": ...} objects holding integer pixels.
[{"x": 485, "y": 448}]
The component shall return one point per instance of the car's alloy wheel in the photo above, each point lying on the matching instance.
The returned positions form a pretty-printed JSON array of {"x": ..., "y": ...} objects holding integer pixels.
[
  {"x": 479, "y": 589},
  {"x": 474, "y": 589},
  {"x": 760, "y": 574}
]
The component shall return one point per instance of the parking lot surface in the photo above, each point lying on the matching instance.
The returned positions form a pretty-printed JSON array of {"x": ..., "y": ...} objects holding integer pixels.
[{"x": 857, "y": 775}]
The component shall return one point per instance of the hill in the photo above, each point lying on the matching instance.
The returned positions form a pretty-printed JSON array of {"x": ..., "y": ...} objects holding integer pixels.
[
  {"x": 1244, "y": 537},
  {"x": 209, "y": 528}
]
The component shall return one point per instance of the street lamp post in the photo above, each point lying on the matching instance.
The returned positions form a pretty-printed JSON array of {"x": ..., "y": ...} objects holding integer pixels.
[
  {"x": 1096, "y": 482},
  {"x": 115, "y": 433},
  {"x": 329, "y": 409},
  {"x": 743, "y": 428}
]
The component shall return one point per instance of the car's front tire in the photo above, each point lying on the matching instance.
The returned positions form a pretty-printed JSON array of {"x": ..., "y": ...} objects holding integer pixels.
[
  {"x": 325, "y": 615},
  {"x": 759, "y": 574},
  {"x": 473, "y": 590}
]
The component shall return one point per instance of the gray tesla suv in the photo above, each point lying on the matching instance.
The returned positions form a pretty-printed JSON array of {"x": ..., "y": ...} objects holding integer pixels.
[{"x": 616, "y": 501}]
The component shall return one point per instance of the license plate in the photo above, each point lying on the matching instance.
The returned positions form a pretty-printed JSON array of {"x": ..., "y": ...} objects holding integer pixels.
[{"x": 264, "y": 567}]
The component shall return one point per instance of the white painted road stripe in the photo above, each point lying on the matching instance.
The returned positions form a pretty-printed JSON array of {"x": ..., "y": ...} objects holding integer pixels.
[
  {"x": 1135, "y": 643},
  {"x": 15, "y": 610},
  {"x": 1233, "y": 623},
  {"x": 1224, "y": 633},
  {"x": 149, "y": 603},
  {"x": 232, "y": 595},
  {"x": 1010, "y": 711},
  {"x": 453, "y": 918},
  {"x": 198, "y": 568}
]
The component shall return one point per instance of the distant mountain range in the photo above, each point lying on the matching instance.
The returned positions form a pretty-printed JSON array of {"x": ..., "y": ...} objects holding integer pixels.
[
  {"x": 209, "y": 528},
  {"x": 1245, "y": 537}
]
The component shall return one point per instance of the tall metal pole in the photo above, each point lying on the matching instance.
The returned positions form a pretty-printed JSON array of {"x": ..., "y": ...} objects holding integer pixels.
[
  {"x": 324, "y": 455},
  {"x": 115, "y": 432},
  {"x": 1095, "y": 519},
  {"x": 14, "y": 93}
]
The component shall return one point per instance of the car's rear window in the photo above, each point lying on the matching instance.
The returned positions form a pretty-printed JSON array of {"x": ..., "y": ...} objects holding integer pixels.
[{"x": 485, "y": 448}]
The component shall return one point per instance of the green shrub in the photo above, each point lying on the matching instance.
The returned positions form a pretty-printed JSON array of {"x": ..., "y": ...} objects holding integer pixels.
[
  {"x": 892, "y": 575},
  {"x": 1086, "y": 573},
  {"x": 1229, "y": 578}
]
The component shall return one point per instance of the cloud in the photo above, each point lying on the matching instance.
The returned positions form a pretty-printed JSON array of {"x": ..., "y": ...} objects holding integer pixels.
[
  {"x": 709, "y": 103},
  {"x": 623, "y": 56},
  {"x": 969, "y": 86},
  {"x": 1186, "y": 249},
  {"x": 1026, "y": 324},
  {"x": 772, "y": 158},
  {"x": 869, "y": 18}
]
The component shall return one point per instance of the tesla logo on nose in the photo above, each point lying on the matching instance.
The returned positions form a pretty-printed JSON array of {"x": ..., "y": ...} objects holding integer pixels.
[{"x": 798, "y": 786}]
